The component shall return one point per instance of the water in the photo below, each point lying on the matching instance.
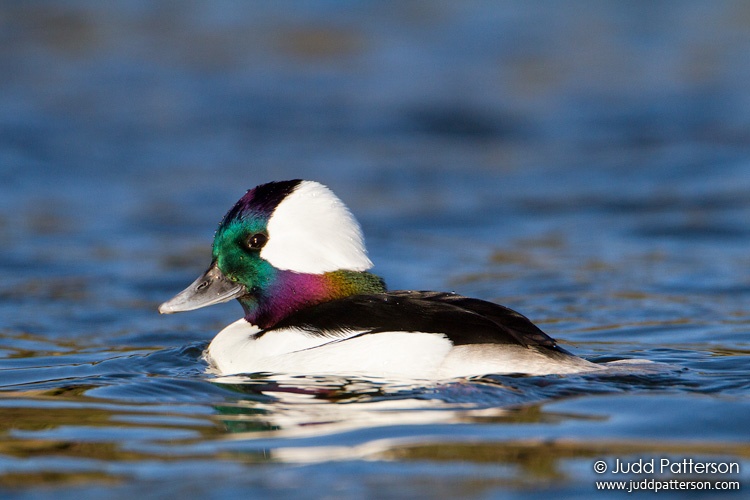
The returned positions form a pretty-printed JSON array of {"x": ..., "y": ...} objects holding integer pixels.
[{"x": 586, "y": 165}]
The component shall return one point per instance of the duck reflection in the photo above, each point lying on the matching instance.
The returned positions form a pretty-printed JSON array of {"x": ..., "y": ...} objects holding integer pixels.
[{"x": 299, "y": 406}]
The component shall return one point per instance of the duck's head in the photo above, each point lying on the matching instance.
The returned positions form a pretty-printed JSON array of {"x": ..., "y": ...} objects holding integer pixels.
[{"x": 281, "y": 246}]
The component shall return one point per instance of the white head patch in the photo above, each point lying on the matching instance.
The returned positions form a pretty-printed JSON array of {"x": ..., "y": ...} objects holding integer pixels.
[{"x": 312, "y": 231}]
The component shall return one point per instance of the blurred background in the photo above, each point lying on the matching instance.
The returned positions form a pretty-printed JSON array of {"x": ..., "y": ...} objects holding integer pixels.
[
  {"x": 459, "y": 134},
  {"x": 585, "y": 162}
]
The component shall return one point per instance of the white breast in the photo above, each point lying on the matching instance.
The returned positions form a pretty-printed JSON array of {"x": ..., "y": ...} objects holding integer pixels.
[{"x": 239, "y": 349}]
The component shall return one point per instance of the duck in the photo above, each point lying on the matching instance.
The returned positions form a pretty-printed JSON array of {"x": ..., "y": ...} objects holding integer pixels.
[{"x": 293, "y": 255}]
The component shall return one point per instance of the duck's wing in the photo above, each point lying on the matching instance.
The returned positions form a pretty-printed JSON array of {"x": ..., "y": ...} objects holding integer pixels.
[
  {"x": 462, "y": 320},
  {"x": 509, "y": 326}
]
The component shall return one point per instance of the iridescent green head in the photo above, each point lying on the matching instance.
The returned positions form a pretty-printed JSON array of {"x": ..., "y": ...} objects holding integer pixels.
[{"x": 273, "y": 235}]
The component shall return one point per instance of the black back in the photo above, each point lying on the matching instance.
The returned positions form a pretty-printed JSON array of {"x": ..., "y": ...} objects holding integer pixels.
[{"x": 462, "y": 319}]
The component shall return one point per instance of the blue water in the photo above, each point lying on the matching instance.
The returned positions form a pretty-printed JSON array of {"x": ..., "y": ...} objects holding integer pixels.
[{"x": 585, "y": 164}]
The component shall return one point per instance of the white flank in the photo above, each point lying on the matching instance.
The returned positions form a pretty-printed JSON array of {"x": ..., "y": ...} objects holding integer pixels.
[
  {"x": 312, "y": 231},
  {"x": 414, "y": 355},
  {"x": 485, "y": 359}
]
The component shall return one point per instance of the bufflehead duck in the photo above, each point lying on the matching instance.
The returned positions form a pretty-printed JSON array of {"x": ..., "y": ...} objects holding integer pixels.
[{"x": 293, "y": 255}]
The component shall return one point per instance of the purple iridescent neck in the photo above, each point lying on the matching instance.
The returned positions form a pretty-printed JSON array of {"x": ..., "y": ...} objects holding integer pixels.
[{"x": 289, "y": 292}]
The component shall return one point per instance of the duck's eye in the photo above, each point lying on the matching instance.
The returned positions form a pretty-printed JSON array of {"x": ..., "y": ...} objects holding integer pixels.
[{"x": 256, "y": 241}]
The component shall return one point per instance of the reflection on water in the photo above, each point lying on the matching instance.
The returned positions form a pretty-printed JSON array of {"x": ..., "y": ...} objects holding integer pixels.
[
  {"x": 264, "y": 419},
  {"x": 316, "y": 406}
]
